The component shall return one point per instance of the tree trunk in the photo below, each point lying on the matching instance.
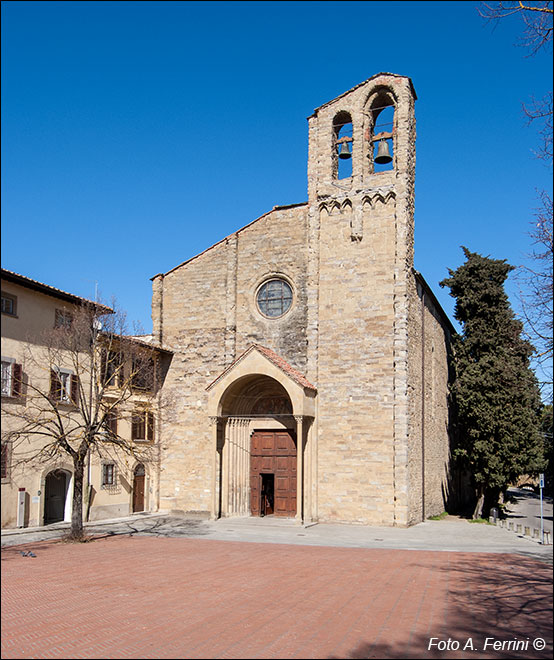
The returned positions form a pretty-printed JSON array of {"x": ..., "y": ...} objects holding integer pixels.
[
  {"x": 492, "y": 498},
  {"x": 480, "y": 500},
  {"x": 77, "y": 532}
]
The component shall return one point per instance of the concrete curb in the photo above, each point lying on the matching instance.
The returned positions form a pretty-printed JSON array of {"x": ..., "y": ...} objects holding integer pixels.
[{"x": 532, "y": 533}]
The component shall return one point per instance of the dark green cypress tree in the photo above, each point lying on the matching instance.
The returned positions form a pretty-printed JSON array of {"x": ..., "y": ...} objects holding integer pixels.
[{"x": 495, "y": 392}]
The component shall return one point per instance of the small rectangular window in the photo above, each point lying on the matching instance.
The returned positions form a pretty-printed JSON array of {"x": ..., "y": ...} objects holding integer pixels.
[
  {"x": 9, "y": 304},
  {"x": 11, "y": 377},
  {"x": 7, "y": 373},
  {"x": 64, "y": 319},
  {"x": 110, "y": 422},
  {"x": 111, "y": 369},
  {"x": 64, "y": 386},
  {"x": 142, "y": 426},
  {"x": 143, "y": 373},
  {"x": 108, "y": 474}
]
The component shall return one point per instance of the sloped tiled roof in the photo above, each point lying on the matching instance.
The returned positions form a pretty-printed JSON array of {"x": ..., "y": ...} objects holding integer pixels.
[
  {"x": 16, "y": 278},
  {"x": 275, "y": 359}
]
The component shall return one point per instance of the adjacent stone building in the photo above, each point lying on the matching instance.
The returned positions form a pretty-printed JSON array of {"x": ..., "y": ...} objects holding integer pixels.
[
  {"x": 43, "y": 383},
  {"x": 310, "y": 366}
]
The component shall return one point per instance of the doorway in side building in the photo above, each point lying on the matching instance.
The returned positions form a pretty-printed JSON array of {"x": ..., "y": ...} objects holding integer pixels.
[
  {"x": 138, "y": 488},
  {"x": 56, "y": 487}
]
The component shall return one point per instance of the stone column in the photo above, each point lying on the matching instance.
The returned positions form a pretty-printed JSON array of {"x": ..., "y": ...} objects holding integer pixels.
[
  {"x": 308, "y": 478},
  {"x": 236, "y": 465},
  {"x": 225, "y": 471},
  {"x": 299, "y": 466},
  {"x": 246, "y": 464},
  {"x": 233, "y": 465},
  {"x": 214, "y": 426}
]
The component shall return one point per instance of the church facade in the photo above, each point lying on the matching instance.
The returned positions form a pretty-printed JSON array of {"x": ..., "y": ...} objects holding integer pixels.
[{"x": 310, "y": 364}]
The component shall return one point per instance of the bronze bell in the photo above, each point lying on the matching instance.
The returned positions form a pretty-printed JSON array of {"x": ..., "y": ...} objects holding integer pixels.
[
  {"x": 383, "y": 155},
  {"x": 344, "y": 151}
]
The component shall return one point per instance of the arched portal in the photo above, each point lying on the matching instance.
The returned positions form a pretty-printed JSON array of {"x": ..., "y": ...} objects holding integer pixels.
[
  {"x": 259, "y": 449},
  {"x": 56, "y": 487},
  {"x": 261, "y": 411}
]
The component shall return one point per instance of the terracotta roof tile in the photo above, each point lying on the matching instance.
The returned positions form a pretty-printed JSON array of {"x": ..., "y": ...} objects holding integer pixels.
[
  {"x": 278, "y": 361},
  {"x": 22, "y": 280},
  {"x": 275, "y": 359}
]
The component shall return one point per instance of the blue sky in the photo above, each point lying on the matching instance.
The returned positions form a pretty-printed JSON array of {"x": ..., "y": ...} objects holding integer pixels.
[{"x": 137, "y": 134}]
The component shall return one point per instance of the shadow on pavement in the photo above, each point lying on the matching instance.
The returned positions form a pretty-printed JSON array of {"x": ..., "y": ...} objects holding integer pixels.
[{"x": 511, "y": 601}]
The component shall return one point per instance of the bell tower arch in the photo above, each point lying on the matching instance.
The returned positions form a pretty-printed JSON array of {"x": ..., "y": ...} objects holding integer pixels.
[{"x": 360, "y": 237}]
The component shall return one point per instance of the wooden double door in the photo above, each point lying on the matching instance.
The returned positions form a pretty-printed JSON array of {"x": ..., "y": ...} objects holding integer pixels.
[{"x": 273, "y": 473}]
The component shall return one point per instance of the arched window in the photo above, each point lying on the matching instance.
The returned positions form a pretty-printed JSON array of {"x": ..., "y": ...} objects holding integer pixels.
[
  {"x": 381, "y": 133},
  {"x": 342, "y": 147}
]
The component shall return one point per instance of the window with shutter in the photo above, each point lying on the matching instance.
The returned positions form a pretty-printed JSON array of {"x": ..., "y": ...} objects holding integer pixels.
[
  {"x": 64, "y": 386},
  {"x": 111, "y": 369},
  {"x": 143, "y": 373},
  {"x": 110, "y": 422},
  {"x": 143, "y": 426},
  {"x": 7, "y": 377},
  {"x": 138, "y": 426}
]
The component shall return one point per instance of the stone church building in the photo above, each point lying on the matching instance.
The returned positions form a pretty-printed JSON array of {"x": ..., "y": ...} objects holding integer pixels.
[{"x": 310, "y": 368}]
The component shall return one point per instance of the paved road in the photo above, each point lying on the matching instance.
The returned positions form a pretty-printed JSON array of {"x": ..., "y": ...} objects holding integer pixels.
[
  {"x": 452, "y": 534},
  {"x": 270, "y": 588},
  {"x": 143, "y": 597},
  {"x": 525, "y": 509}
]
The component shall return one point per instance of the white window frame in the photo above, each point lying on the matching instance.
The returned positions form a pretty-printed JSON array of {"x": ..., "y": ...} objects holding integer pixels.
[{"x": 64, "y": 376}]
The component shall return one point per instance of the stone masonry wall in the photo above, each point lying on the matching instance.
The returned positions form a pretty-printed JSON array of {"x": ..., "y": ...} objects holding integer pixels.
[
  {"x": 356, "y": 368},
  {"x": 205, "y": 311},
  {"x": 360, "y": 254},
  {"x": 428, "y": 456}
]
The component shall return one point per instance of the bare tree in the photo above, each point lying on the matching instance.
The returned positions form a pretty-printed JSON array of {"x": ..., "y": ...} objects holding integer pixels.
[
  {"x": 88, "y": 375},
  {"x": 536, "y": 280},
  {"x": 536, "y": 17},
  {"x": 536, "y": 295}
]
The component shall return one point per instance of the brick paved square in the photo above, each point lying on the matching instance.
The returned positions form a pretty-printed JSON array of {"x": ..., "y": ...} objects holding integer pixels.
[{"x": 139, "y": 597}]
